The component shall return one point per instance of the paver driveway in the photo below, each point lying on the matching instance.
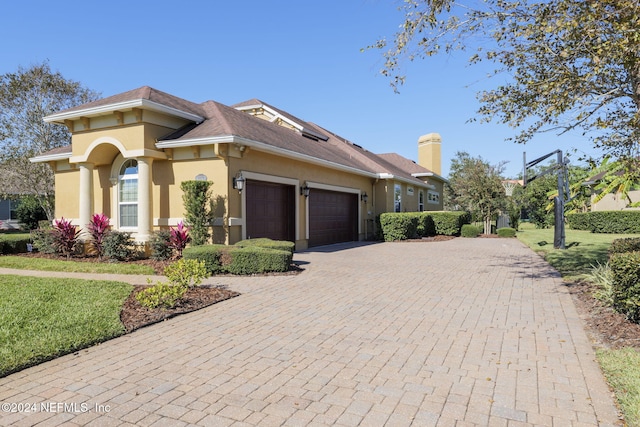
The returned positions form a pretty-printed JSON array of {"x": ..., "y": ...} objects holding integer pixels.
[{"x": 463, "y": 332}]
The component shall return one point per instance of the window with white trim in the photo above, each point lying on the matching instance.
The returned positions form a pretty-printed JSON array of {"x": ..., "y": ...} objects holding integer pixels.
[
  {"x": 433, "y": 197},
  {"x": 397, "y": 198},
  {"x": 128, "y": 194},
  {"x": 420, "y": 201}
]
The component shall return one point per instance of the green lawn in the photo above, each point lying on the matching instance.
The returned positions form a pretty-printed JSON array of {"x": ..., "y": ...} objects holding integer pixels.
[
  {"x": 43, "y": 318},
  {"x": 583, "y": 250},
  {"x": 26, "y": 263}
]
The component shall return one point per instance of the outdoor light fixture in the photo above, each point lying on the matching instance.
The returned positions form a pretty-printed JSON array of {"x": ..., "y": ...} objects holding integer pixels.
[
  {"x": 304, "y": 191},
  {"x": 364, "y": 197},
  {"x": 238, "y": 182}
]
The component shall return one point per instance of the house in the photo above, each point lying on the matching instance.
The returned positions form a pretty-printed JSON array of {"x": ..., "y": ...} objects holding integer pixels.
[{"x": 278, "y": 176}]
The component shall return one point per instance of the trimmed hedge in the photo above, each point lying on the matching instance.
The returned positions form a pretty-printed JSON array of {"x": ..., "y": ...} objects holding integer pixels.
[
  {"x": 469, "y": 230},
  {"x": 626, "y": 284},
  {"x": 210, "y": 254},
  {"x": 408, "y": 225},
  {"x": 251, "y": 259},
  {"x": 578, "y": 221},
  {"x": 449, "y": 223},
  {"x": 14, "y": 243},
  {"x": 281, "y": 245},
  {"x": 618, "y": 222},
  {"x": 507, "y": 232},
  {"x": 398, "y": 226},
  {"x": 629, "y": 244}
]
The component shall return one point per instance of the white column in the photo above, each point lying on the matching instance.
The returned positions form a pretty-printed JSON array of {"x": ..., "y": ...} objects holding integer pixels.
[
  {"x": 85, "y": 197},
  {"x": 144, "y": 199}
]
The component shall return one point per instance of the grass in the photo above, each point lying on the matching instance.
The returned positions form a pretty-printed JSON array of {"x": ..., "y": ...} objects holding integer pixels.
[
  {"x": 584, "y": 252},
  {"x": 583, "y": 249},
  {"x": 44, "y": 264},
  {"x": 43, "y": 318},
  {"x": 622, "y": 370}
]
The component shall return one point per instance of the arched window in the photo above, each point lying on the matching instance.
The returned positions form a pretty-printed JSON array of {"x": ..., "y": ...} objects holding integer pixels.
[{"x": 128, "y": 194}]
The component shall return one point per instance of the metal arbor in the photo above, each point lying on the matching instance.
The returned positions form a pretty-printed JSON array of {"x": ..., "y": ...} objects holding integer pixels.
[{"x": 563, "y": 191}]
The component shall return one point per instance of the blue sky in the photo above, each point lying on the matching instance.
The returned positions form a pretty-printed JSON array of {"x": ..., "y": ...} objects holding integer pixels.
[{"x": 303, "y": 57}]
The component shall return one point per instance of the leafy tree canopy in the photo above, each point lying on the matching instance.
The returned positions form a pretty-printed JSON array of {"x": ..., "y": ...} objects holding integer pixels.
[
  {"x": 476, "y": 186},
  {"x": 569, "y": 64},
  {"x": 27, "y": 96}
]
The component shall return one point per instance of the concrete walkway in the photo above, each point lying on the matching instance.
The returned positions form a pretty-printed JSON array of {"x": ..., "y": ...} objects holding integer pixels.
[{"x": 467, "y": 332}]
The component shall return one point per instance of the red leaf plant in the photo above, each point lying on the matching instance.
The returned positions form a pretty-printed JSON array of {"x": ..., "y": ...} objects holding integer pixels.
[
  {"x": 98, "y": 228},
  {"x": 65, "y": 236},
  {"x": 179, "y": 237}
]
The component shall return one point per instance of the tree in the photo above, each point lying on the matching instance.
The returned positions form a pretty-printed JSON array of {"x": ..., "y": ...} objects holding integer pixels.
[
  {"x": 27, "y": 96},
  {"x": 476, "y": 186},
  {"x": 569, "y": 64},
  {"x": 196, "y": 198}
]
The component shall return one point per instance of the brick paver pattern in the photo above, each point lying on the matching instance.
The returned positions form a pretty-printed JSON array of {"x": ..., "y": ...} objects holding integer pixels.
[{"x": 467, "y": 332}]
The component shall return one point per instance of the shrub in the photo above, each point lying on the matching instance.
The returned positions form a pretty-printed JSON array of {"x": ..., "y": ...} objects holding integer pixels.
[
  {"x": 626, "y": 284},
  {"x": 256, "y": 260},
  {"x": 449, "y": 223},
  {"x": 281, "y": 245},
  {"x": 210, "y": 254},
  {"x": 161, "y": 295},
  {"x": 65, "y": 237},
  {"x": 196, "y": 200},
  {"x": 179, "y": 237},
  {"x": 398, "y": 226},
  {"x": 240, "y": 260},
  {"x": 620, "y": 222},
  {"x": 98, "y": 228},
  {"x": 186, "y": 272},
  {"x": 116, "y": 245},
  {"x": 629, "y": 244},
  {"x": 44, "y": 240},
  {"x": 578, "y": 221},
  {"x": 469, "y": 230},
  {"x": 507, "y": 232},
  {"x": 29, "y": 212},
  {"x": 14, "y": 243},
  {"x": 160, "y": 244},
  {"x": 602, "y": 276},
  {"x": 426, "y": 225}
]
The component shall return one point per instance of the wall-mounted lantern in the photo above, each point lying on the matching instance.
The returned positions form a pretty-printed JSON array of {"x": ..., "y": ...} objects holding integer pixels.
[
  {"x": 304, "y": 191},
  {"x": 238, "y": 182},
  {"x": 364, "y": 197}
]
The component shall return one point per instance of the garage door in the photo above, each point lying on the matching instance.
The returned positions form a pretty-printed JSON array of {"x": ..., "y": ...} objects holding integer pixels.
[
  {"x": 270, "y": 210},
  {"x": 333, "y": 217}
]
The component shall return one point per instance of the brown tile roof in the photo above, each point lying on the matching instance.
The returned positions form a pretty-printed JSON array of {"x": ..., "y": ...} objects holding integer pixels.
[
  {"x": 144, "y": 92},
  {"x": 224, "y": 121}
]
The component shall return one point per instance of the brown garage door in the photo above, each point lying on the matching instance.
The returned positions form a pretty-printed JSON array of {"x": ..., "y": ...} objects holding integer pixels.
[
  {"x": 333, "y": 217},
  {"x": 270, "y": 210}
]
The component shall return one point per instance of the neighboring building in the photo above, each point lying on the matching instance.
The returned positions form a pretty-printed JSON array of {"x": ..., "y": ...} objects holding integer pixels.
[
  {"x": 611, "y": 201},
  {"x": 8, "y": 217},
  {"x": 130, "y": 152}
]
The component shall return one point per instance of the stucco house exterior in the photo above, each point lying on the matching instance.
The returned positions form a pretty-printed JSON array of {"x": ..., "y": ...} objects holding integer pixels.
[{"x": 130, "y": 152}]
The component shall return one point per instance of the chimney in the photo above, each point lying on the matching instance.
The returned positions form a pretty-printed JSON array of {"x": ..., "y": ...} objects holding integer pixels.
[{"x": 429, "y": 152}]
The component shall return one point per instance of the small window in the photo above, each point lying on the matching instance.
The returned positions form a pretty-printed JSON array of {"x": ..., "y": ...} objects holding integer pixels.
[
  {"x": 128, "y": 194},
  {"x": 420, "y": 201},
  {"x": 433, "y": 197},
  {"x": 398, "y": 198}
]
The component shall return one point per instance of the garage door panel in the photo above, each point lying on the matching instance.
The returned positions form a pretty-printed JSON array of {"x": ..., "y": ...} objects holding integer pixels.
[
  {"x": 333, "y": 217},
  {"x": 270, "y": 210}
]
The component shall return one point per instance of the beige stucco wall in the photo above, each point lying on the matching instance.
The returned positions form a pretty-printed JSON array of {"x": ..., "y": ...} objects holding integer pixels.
[
  {"x": 615, "y": 202},
  {"x": 105, "y": 145}
]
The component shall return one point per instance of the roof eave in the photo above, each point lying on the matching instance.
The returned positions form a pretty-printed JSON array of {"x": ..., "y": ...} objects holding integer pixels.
[
  {"x": 261, "y": 146},
  {"x": 119, "y": 106},
  {"x": 50, "y": 157}
]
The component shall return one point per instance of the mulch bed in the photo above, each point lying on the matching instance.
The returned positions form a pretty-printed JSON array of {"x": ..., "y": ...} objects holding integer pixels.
[
  {"x": 605, "y": 327},
  {"x": 134, "y": 316}
]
